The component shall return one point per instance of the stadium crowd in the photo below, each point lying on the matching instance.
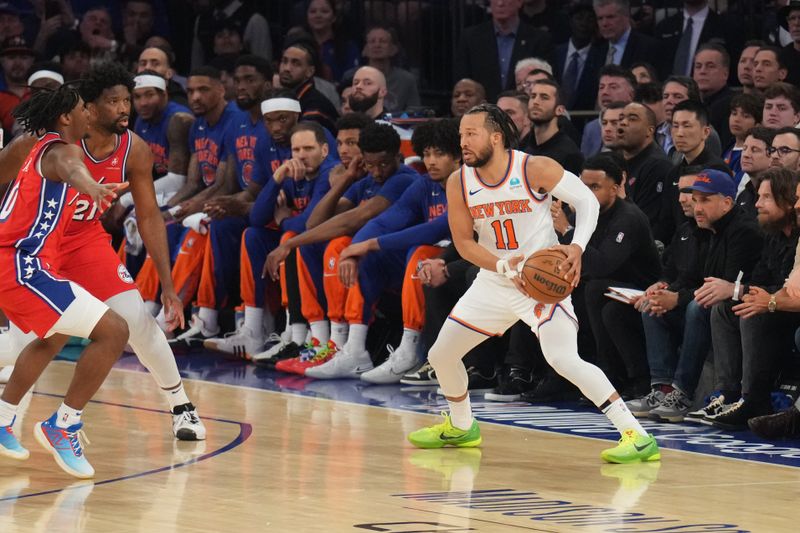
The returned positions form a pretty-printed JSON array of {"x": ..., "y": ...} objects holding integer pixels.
[{"x": 301, "y": 174}]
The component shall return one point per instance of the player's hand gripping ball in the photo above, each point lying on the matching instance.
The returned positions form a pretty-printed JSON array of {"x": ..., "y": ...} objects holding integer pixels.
[{"x": 543, "y": 280}]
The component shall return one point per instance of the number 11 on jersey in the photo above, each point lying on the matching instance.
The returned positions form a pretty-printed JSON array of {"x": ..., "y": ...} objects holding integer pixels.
[{"x": 504, "y": 234}]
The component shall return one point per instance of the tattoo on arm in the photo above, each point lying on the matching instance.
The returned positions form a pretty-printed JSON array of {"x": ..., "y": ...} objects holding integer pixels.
[{"x": 178, "y": 138}]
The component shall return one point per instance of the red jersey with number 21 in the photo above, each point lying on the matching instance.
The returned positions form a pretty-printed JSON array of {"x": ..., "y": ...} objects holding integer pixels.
[{"x": 108, "y": 170}]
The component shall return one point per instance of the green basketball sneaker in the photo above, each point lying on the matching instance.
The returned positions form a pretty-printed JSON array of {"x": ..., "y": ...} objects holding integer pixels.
[
  {"x": 445, "y": 434},
  {"x": 632, "y": 448}
]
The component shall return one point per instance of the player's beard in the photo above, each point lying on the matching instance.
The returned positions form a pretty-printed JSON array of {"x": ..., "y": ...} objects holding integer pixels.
[
  {"x": 543, "y": 120},
  {"x": 116, "y": 127},
  {"x": 362, "y": 103},
  {"x": 481, "y": 158},
  {"x": 246, "y": 104}
]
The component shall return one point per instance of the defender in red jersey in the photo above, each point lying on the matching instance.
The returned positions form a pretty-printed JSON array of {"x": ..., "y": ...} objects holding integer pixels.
[
  {"x": 113, "y": 154},
  {"x": 35, "y": 294}
]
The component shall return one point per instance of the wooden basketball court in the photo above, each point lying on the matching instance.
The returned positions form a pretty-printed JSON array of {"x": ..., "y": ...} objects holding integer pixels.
[{"x": 310, "y": 459}]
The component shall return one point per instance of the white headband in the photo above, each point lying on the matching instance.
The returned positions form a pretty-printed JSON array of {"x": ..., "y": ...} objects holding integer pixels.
[
  {"x": 280, "y": 104},
  {"x": 49, "y": 74},
  {"x": 148, "y": 80}
]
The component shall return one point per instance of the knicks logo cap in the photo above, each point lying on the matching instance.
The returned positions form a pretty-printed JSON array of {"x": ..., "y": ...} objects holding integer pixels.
[{"x": 711, "y": 181}]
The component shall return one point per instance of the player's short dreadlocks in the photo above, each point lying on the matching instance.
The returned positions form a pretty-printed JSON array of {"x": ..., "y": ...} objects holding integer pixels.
[
  {"x": 499, "y": 121},
  {"x": 41, "y": 111}
]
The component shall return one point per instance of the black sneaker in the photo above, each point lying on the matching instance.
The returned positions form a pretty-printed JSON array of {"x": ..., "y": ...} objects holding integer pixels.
[
  {"x": 511, "y": 385},
  {"x": 552, "y": 388},
  {"x": 193, "y": 338},
  {"x": 288, "y": 351},
  {"x": 783, "y": 425},
  {"x": 478, "y": 381},
  {"x": 712, "y": 408},
  {"x": 736, "y": 416},
  {"x": 424, "y": 376}
]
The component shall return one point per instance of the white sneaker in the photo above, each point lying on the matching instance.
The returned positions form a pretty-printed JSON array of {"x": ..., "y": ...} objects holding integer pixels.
[
  {"x": 242, "y": 343},
  {"x": 276, "y": 343},
  {"x": 186, "y": 425},
  {"x": 345, "y": 364},
  {"x": 392, "y": 370}
]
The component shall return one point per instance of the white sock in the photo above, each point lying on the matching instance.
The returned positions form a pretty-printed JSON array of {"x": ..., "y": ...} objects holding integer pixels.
[
  {"x": 154, "y": 308},
  {"x": 357, "y": 337},
  {"x": 176, "y": 396},
  {"x": 66, "y": 416},
  {"x": 461, "y": 413},
  {"x": 7, "y": 413},
  {"x": 287, "y": 330},
  {"x": 299, "y": 332},
  {"x": 321, "y": 330},
  {"x": 254, "y": 319},
  {"x": 621, "y": 417},
  {"x": 409, "y": 340},
  {"x": 209, "y": 318},
  {"x": 339, "y": 333}
]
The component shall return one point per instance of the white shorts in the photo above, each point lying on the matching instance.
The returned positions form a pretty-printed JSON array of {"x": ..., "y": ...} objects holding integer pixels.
[
  {"x": 493, "y": 304},
  {"x": 82, "y": 315}
]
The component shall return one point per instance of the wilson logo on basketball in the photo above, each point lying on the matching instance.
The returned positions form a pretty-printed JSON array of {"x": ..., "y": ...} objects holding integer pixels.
[{"x": 557, "y": 288}]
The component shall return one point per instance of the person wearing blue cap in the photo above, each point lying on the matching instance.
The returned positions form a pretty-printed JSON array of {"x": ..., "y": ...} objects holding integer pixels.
[{"x": 734, "y": 246}]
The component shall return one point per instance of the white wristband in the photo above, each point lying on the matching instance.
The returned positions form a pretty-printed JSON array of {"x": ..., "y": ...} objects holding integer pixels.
[
  {"x": 505, "y": 269},
  {"x": 502, "y": 266}
]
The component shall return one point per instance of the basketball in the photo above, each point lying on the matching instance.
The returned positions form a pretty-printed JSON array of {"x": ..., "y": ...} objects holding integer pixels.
[{"x": 543, "y": 282}]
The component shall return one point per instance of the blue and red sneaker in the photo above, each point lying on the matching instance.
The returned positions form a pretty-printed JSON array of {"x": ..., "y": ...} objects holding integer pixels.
[
  {"x": 10, "y": 446},
  {"x": 65, "y": 445}
]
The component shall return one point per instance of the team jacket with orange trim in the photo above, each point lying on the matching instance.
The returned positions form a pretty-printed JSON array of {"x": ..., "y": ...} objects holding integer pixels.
[
  {"x": 418, "y": 217},
  {"x": 391, "y": 189},
  {"x": 244, "y": 139},
  {"x": 207, "y": 142},
  {"x": 270, "y": 155},
  {"x": 155, "y": 135},
  {"x": 301, "y": 195}
]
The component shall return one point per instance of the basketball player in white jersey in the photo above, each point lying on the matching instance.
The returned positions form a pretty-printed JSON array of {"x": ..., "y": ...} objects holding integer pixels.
[{"x": 504, "y": 196}]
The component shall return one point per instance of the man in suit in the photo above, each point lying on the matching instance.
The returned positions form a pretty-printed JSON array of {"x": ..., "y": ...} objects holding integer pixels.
[
  {"x": 489, "y": 51},
  {"x": 705, "y": 25},
  {"x": 577, "y": 62},
  {"x": 624, "y": 46}
]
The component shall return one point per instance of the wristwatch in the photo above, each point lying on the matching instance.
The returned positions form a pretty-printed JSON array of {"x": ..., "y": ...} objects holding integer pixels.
[{"x": 772, "y": 305}]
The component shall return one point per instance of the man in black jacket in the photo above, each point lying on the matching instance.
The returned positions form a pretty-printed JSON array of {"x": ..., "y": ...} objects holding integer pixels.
[
  {"x": 690, "y": 129},
  {"x": 488, "y": 52},
  {"x": 749, "y": 333},
  {"x": 648, "y": 166},
  {"x": 296, "y": 72},
  {"x": 622, "y": 253},
  {"x": 733, "y": 249},
  {"x": 711, "y": 72}
]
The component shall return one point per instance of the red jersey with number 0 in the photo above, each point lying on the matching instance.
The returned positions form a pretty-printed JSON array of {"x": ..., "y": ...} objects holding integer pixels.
[
  {"x": 35, "y": 211},
  {"x": 110, "y": 169}
]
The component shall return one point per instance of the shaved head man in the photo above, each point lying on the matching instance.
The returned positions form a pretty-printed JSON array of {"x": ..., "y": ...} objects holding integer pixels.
[
  {"x": 369, "y": 90},
  {"x": 157, "y": 60}
]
